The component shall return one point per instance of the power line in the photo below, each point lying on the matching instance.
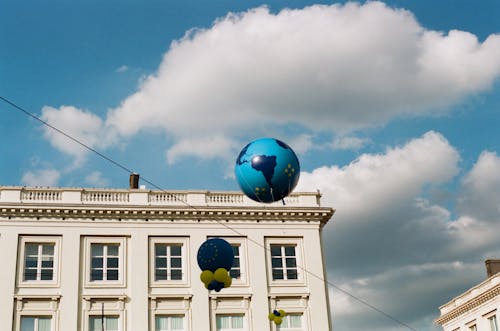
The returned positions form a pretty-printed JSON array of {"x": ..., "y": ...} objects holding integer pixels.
[{"x": 193, "y": 207}]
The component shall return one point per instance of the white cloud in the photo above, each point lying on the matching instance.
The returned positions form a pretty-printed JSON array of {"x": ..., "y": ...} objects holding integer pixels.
[
  {"x": 481, "y": 189},
  {"x": 349, "y": 142},
  {"x": 338, "y": 67},
  {"x": 96, "y": 179},
  {"x": 335, "y": 68},
  {"x": 82, "y": 125},
  {"x": 43, "y": 177},
  {"x": 122, "y": 69}
]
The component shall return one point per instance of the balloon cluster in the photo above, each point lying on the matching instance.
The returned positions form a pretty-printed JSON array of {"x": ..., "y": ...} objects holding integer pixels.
[
  {"x": 277, "y": 316},
  {"x": 215, "y": 258},
  {"x": 216, "y": 280}
]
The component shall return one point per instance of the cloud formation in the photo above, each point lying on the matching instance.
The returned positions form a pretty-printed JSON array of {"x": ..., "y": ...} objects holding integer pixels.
[
  {"x": 336, "y": 68},
  {"x": 42, "y": 177},
  {"x": 411, "y": 255}
]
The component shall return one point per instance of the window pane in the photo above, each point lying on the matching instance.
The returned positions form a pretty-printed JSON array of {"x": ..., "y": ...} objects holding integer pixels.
[
  {"x": 161, "y": 262},
  {"x": 275, "y": 250},
  {"x": 96, "y": 274},
  {"x": 112, "y": 274},
  {"x": 113, "y": 262},
  {"x": 31, "y": 262},
  {"x": 47, "y": 262},
  {"x": 222, "y": 322},
  {"x": 95, "y": 323},
  {"x": 236, "y": 263},
  {"x": 175, "y": 250},
  {"x": 46, "y": 274},
  {"x": 237, "y": 322},
  {"x": 96, "y": 249},
  {"x": 291, "y": 273},
  {"x": 277, "y": 274},
  {"x": 97, "y": 262},
  {"x": 48, "y": 249},
  {"x": 176, "y": 274},
  {"x": 276, "y": 262},
  {"x": 176, "y": 262},
  {"x": 177, "y": 323},
  {"x": 27, "y": 323},
  {"x": 160, "y": 250},
  {"x": 291, "y": 262},
  {"x": 30, "y": 274},
  {"x": 112, "y": 250},
  {"x": 295, "y": 320},
  {"x": 161, "y": 323},
  {"x": 44, "y": 323},
  {"x": 236, "y": 250},
  {"x": 31, "y": 249},
  {"x": 161, "y": 274},
  {"x": 290, "y": 250},
  {"x": 111, "y": 323}
]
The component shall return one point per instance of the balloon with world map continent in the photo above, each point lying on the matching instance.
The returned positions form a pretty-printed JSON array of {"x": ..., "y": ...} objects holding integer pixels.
[{"x": 267, "y": 170}]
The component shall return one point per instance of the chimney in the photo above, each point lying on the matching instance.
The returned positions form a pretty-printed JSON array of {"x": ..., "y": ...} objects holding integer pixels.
[
  {"x": 492, "y": 267},
  {"x": 134, "y": 181}
]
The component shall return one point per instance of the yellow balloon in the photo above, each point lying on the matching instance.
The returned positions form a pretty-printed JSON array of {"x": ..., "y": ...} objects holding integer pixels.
[
  {"x": 271, "y": 316},
  {"x": 228, "y": 281},
  {"x": 278, "y": 320},
  {"x": 220, "y": 275},
  {"x": 282, "y": 313},
  {"x": 206, "y": 277}
]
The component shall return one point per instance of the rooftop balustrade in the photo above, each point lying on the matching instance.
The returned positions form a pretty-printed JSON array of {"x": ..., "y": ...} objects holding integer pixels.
[{"x": 141, "y": 197}]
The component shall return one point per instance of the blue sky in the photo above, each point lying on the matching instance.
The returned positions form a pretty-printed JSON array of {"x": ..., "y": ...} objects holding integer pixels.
[{"x": 392, "y": 108}]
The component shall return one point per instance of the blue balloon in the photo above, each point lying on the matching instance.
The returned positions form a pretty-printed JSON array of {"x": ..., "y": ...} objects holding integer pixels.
[
  {"x": 215, "y": 253},
  {"x": 267, "y": 170}
]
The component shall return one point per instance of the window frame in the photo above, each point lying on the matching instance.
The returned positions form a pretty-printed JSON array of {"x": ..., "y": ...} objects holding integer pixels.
[
  {"x": 286, "y": 241},
  {"x": 302, "y": 321},
  {"x": 37, "y": 317},
  {"x": 56, "y": 269},
  {"x": 122, "y": 261},
  {"x": 185, "y": 253}
]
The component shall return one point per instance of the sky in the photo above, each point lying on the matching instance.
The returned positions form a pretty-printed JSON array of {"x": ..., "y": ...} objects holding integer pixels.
[{"x": 392, "y": 107}]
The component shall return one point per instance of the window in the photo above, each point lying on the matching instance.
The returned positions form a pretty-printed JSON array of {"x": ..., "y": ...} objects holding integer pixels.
[
  {"x": 291, "y": 322},
  {"x": 39, "y": 258},
  {"x": 168, "y": 261},
  {"x": 233, "y": 322},
  {"x": 105, "y": 261},
  {"x": 39, "y": 261},
  {"x": 36, "y": 323},
  {"x": 235, "y": 271},
  {"x": 169, "y": 322},
  {"x": 493, "y": 323},
  {"x": 283, "y": 262},
  {"x": 473, "y": 327},
  {"x": 103, "y": 323}
]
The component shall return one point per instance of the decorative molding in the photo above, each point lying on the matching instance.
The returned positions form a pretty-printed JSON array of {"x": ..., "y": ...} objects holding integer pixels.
[{"x": 469, "y": 305}]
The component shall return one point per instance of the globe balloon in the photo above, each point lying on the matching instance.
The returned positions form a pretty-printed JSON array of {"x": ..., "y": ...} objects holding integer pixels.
[{"x": 267, "y": 170}]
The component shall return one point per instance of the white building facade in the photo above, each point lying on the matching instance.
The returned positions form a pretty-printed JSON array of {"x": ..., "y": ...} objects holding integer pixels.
[
  {"x": 478, "y": 309},
  {"x": 125, "y": 260}
]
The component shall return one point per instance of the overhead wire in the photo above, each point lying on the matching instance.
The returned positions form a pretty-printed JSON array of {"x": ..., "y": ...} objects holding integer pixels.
[{"x": 126, "y": 169}]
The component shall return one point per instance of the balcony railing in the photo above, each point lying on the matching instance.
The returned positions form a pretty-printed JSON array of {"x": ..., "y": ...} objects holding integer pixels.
[{"x": 35, "y": 195}]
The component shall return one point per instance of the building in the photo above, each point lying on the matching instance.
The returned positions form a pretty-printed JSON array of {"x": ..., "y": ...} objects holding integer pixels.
[
  {"x": 478, "y": 309},
  {"x": 81, "y": 259}
]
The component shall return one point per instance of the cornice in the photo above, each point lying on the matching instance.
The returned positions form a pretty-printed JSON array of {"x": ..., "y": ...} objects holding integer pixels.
[
  {"x": 150, "y": 213},
  {"x": 469, "y": 305}
]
